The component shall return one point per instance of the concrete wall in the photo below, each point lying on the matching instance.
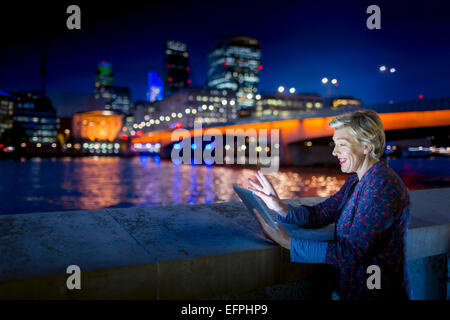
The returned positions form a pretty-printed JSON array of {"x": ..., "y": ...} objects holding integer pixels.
[{"x": 191, "y": 252}]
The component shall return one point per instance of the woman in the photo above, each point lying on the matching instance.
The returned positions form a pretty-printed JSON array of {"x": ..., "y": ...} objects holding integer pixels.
[{"x": 370, "y": 212}]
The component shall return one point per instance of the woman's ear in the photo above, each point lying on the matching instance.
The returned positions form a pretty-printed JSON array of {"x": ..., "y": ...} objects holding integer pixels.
[{"x": 367, "y": 149}]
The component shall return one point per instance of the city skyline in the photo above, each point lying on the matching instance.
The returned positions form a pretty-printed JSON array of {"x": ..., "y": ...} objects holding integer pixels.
[{"x": 314, "y": 41}]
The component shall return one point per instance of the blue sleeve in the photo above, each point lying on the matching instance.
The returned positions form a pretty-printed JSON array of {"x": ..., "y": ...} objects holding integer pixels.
[
  {"x": 321, "y": 214},
  {"x": 308, "y": 251},
  {"x": 296, "y": 215}
]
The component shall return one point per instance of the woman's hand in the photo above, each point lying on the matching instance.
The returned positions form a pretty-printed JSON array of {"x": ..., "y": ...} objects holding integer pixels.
[
  {"x": 279, "y": 236},
  {"x": 267, "y": 194}
]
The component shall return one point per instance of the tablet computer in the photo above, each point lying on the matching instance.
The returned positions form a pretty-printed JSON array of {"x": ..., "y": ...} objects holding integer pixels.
[{"x": 252, "y": 202}]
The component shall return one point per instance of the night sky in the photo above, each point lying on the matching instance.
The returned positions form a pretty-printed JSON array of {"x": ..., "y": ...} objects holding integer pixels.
[{"x": 301, "y": 42}]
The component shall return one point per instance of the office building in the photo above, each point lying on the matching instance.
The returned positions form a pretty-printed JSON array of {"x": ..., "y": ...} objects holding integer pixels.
[
  {"x": 234, "y": 64},
  {"x": 176, "y": 67},
  {"x": 190, "y": 105},
  {"x": 6, "y": 112},
  {"x": 34, "y": 122},
  {"x": 143, "y": 111},
  {"x": 286, "y": 104},
  {"x": 107, "y": 95},
  {"x": 121, "y": 100},
  {"x": 104, "y": 82}
]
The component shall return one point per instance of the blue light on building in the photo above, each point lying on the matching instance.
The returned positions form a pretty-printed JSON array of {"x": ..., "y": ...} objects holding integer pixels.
[{"x": 155, "y": 89}]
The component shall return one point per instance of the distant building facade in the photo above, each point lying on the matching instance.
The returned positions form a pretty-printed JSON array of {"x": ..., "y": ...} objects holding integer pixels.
[
  {"x": 104, "y": 82},
  {"x": 176, "y": 67},
  {"x": 234, "y": 64},
  {"x": 34, "y": 121},
  {"x": 191, "y": 105},
  {"x": 97, "y": 131},
  {"x": 121, "y": 100},
  {"x": 344, "y": 101},
  {"x": 287, "y": 104},
  {"x": 107, "y": 95},
  {"x": 144, "y": 110},
  {"x": 6, "y": 112}
]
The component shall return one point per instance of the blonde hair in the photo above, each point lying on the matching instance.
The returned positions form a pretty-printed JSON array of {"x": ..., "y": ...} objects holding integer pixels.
[{"x": 366, "y": 127}]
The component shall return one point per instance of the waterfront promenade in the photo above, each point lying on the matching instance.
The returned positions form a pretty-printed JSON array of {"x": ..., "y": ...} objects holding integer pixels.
[{"x": 192, "y": 252}]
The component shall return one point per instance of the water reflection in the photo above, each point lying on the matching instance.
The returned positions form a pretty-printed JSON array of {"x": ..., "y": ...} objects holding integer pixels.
[
  {"x": 144, "y": 161},
  {"x": 192, "y": 191},
  {"x": 100, "y": 182},
  {"x": 93, "y": 183},
  {"x": 209, "y": 187},
  {"x": 177, "y": 186}
]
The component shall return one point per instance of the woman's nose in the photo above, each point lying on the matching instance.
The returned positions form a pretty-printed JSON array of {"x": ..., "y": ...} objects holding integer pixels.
[{"x": 334, "y": 153}]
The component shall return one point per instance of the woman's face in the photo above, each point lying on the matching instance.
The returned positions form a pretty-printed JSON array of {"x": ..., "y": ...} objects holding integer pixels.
[{"x": 349, "y": 152}]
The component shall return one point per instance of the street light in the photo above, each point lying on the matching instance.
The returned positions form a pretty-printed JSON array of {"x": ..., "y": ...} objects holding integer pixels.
[
  {"x": 383, "y": 68},
  {"x": 280, "y": 89},
  {"x": 328, "y": 83},
  {"x": 392, "y": 70},
  {"x": 292, "y": 90}
]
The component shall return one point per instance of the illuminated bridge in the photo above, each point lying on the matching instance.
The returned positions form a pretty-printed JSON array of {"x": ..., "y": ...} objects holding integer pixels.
[{"x": 305, "y": 139}]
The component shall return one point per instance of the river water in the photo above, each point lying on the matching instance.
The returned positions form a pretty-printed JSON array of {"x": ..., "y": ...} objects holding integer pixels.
[{"x": 46, "y": 184}]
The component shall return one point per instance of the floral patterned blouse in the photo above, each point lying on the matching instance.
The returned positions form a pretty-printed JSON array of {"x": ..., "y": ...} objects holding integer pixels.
[{"x": 371, "y": 219}]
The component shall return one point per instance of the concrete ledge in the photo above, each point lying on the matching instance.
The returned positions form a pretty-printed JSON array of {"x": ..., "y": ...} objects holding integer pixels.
[{"x": 176, "y": 252}]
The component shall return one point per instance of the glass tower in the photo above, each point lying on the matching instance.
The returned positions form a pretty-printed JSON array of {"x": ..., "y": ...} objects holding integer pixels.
[
  {"x": 234, "y": 63},
  {"x": 104, "y": 82},
  {"x": 176, "y": 75},
  {"x": 107, "y": 95},
  {"x": 35, "y": 121}
]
